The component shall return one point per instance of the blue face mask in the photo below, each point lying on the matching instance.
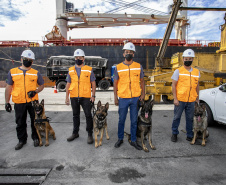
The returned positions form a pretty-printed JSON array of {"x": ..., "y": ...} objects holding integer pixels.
[{"x": 79, "y": 62}]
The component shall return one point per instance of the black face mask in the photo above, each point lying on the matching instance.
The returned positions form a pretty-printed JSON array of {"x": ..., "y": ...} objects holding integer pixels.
[
  {"x": 27, "y": 63},
  {"x": 187, "y": 62},
  {"x": 79, "y": 62},
  {"x": 129, "y": 57}
]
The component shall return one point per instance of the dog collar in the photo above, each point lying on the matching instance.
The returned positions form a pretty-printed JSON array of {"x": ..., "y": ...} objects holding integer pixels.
[
  {"x": 144, "y": 121},
  {"x": 41, "y": 120}
]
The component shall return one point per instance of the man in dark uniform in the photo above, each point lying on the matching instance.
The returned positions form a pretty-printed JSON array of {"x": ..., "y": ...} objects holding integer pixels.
[
  {"x": 80, "y": 79},
  {"x": 22, "y": 85}
]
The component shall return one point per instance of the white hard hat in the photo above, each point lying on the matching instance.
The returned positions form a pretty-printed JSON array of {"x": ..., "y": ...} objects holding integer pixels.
[
  {"x": 129, "y": 46},
  {"x": 28, "y": 54},
  {"x": 79, "y": 53},
  {"x": 188, "y": 53}
]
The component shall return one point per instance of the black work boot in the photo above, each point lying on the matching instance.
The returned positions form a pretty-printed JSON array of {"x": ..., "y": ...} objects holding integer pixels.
[
  {"x": 72, "y": 137},
  {"x": 189, "y": 138},
  {"x": 174, "y": 138},
  {"x": 90, "y": 139},
  {"x": 118, "y": 143},
  {"x": 20, "y": 145},
  {"x": 134, "y": 143}
]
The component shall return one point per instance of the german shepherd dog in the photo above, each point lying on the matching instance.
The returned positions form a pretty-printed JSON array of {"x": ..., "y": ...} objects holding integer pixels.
[
  {"x": 200, "y": 124},
  {"x": 144, "y": 124},
  {"x": 100, "y": 122},
  {"x": 42, "y": 122}
]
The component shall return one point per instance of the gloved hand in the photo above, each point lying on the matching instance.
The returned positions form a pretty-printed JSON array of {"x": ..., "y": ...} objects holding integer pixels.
[
  {"x": 31, "y": 94},
  {"x": 8, "y": 107}
]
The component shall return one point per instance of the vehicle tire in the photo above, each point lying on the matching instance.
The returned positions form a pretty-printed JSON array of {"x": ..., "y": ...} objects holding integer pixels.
[
  {"x": 61, "y": 86},
  {"x": 166, "y": 100},
  {"x": 104, "y": 84},
  {"x": 210, "y": 119}
]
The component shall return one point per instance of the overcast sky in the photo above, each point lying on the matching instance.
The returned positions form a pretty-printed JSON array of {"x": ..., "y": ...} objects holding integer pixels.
[{"x": 32, "y": 19}]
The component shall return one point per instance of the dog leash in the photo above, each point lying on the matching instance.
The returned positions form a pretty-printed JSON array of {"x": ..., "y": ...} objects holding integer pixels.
[{"x": 93, "y": 107}]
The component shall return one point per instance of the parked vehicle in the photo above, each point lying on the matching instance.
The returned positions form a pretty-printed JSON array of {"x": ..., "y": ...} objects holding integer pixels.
[
  {"x": 57, "y": 70},
  {"x": 215, "y": 101}
]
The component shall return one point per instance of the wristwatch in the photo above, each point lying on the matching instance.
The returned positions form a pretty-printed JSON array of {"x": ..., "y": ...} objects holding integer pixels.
[{"x": 94, "y": 96}]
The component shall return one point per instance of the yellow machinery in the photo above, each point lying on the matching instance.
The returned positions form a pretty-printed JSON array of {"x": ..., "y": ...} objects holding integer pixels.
[{"x": 212, "y": 67}]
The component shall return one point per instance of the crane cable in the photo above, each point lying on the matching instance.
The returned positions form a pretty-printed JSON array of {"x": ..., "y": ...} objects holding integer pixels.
[{"x": 11, "y": 59}]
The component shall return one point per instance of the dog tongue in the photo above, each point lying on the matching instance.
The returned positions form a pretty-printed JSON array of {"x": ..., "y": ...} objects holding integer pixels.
[
  {"x": 146, "y": 115},
  {"x": 199, "y": 119}
]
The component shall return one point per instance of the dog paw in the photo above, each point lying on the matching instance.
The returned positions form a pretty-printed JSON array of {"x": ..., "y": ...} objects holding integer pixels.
[
  {"x": 203, "y": 144},
  {"x": 47, "y": 144},
  {"x": 100, "y": 144},
  {"x": 146, "y": 150},
  {"x": 192, "y": 143},
  {"x": 40, "y": 144},
  {"x": 96, "y": 146},
  {"x": 54, "y": 138},
  {"x": 153, "y": 148},
  {"x": 107, "y": 138}
]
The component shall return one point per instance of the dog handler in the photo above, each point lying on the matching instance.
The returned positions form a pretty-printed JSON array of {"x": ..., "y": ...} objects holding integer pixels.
[
  {"x": 129, "y": 88},
  {"x": 185, "y": 87},
  {"x": 22, "y": 85},
  {"x": 79, "y": 80}
]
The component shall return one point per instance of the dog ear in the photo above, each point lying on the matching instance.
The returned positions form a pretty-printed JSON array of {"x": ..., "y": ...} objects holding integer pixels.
[
  {"x": 196, "y": 104},
  {"x": 152, "y": 103},
  {"x": 42, "y": 102},
  {"x": 35, "y": 102},
  {"x": 141, "y": 103},
  {"x": 98, "y": 104},
  {"x": 150, "y": 97},
  {"x": 107, "y": 106},
  {"x": 203, "y": 106}
]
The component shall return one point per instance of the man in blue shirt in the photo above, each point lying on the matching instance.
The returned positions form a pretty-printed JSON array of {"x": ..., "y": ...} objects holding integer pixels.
[
  {"x": 79, "y": 79},
  {"x": 21, "y": 84}
]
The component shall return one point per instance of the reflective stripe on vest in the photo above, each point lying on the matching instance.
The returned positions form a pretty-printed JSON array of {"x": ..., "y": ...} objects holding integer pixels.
[
  {"x": 186, "y": 85},
  {"x": 129, "y": 80},
  {"x": 80, "y": 87},
  {"x": 23, "y": 84}
]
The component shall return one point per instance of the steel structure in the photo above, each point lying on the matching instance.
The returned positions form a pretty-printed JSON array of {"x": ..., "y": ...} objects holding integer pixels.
[{"x": 101, "y": 20}]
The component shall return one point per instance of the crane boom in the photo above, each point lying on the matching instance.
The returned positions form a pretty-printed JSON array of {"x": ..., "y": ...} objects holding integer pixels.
[{"x": 167, "y": 34}]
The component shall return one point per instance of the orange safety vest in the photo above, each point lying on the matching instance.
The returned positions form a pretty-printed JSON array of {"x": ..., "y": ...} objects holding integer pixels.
[
  {"x": 80, "y": 87},
  {"x": 23, "y": 84},
  {"x": 129, "y": 80},
  {"x": 186, "y": 85}
]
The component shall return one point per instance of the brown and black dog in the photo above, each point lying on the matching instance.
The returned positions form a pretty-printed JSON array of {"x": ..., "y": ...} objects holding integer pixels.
[
  {"x": 144, "y": 124},
  {"x": 42, "y": 122},
  {"x": 100, "y": 122},
  {"x": 200, "y": 124}
]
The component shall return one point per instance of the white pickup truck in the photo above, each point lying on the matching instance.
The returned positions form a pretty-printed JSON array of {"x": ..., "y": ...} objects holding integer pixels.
[{"x": 215, "y": 100}]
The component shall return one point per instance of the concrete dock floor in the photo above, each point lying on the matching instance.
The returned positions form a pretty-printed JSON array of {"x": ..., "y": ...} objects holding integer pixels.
[{"x": 77, "y": 162}]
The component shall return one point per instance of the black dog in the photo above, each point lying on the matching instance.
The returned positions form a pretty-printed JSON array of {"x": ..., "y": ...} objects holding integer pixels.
[{"x": 144, "y": 124}]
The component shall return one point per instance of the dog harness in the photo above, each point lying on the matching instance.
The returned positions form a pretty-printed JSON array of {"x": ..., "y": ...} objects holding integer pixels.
[
  {"x": 41, "y": 121},
  {"x": 100, "y": 123}
]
